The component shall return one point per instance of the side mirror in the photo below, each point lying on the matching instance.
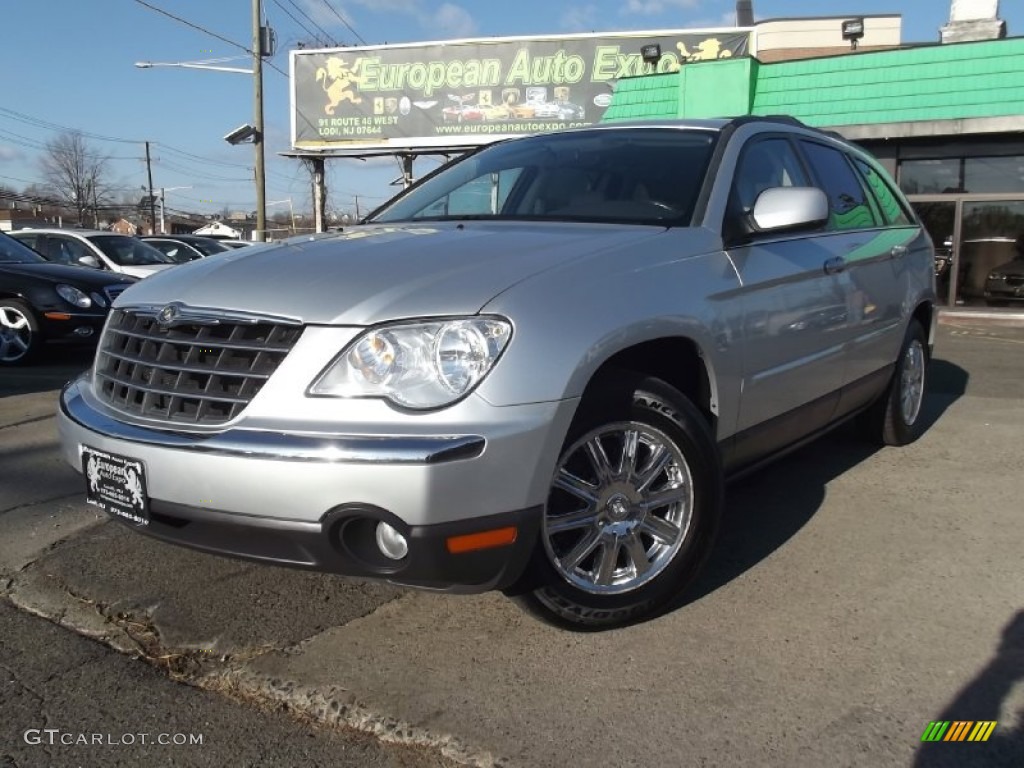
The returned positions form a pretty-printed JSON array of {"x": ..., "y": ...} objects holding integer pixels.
[
  {"x": 788, "y": 208},
  {"x": 89, "y": 261}
]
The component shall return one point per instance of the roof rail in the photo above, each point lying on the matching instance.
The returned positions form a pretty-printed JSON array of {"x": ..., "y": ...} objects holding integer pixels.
[{"x": 785, "y": 120}]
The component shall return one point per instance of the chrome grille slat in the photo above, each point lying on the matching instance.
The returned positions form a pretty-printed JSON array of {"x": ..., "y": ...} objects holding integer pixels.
[
  {"x": 203, "y": 372},
  {"x": 189, "y": 368},
  {"x": 203, "y": 342}
]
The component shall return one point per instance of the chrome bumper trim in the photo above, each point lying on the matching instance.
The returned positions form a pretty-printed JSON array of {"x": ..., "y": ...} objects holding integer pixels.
[{"x": 349, "y": 449}]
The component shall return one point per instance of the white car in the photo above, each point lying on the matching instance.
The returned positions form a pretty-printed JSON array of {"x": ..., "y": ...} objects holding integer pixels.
[{"x": 94, "y": 248}]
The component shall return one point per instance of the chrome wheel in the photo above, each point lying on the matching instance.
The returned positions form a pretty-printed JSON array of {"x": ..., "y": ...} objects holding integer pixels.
[
  {"x": 15, "y": 334},
  {"x": 912, "y": 382},
  {"x": 620, "y": 508}
]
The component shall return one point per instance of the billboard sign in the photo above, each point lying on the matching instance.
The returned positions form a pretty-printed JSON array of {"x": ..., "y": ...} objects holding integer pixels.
[{"x": 465, "y": 92}]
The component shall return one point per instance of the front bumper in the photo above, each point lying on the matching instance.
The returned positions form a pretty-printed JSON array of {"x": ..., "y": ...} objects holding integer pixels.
[
  {"x": 70, "y": 327},
  {"x": 313, "y": 500}
]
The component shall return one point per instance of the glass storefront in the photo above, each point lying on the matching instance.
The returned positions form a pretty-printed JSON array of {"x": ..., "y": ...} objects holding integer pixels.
[{"x": 973, "y": 208}]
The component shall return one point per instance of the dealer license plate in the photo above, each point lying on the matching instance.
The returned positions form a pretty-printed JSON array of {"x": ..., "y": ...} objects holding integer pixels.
[{"x": 116, "y": 484}]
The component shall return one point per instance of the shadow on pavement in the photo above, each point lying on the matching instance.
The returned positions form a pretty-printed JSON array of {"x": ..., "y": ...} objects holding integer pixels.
[
  {"x": 766, "y": 509},
  {"x": 981, "y": 700},
  {"x": 54, "y": 367}
]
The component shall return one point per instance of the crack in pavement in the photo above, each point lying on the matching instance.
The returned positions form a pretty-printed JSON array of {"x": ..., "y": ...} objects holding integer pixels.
[
  {"x": 40, "y": 501},
  {"x": 33, "y": 420},
  {"x": 232, "y": 675}
]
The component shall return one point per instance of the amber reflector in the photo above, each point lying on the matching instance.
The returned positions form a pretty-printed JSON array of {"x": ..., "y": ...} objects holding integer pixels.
[{"x": 471, "y": 542}]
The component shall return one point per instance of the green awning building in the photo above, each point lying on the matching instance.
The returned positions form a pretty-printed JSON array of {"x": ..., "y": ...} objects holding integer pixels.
[{"x": 947, "y": 121}]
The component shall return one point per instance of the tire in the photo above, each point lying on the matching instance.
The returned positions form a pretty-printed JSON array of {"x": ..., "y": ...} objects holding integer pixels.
[
  {"x": 19, "y": 333},
  {"x": 632, "y": 512},
  {"x": 896, "y": 418}
]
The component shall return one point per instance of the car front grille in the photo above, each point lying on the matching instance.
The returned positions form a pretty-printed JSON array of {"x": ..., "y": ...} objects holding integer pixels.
[
  {"x": 203, "y": 372},
  {"x": 1015, "y": 280}
]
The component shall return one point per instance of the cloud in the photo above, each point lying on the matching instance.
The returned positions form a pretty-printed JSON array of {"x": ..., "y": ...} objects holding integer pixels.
[
  {"x": 579, "y": 18},
  {"x": 654, "y": 7},
  {"x": 9, "y": 153},
  {"x": 452, "y": 21}
]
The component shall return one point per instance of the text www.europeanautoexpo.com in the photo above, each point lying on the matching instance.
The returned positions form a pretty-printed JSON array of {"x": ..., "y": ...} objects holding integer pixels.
[
  {"x": 55, "y": 736},
  {"x": 463, "y": 128}
]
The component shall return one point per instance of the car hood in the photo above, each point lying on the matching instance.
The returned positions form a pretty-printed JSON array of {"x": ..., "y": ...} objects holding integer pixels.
[
  {"x": 61, "y": 273},
  {"x": 373, "y": 273},
  {"x": 144, "y": 270}
]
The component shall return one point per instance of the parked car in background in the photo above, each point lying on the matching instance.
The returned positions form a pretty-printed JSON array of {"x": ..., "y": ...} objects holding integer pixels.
[
  {"x": 43, "y": 302},
  {"x": 541, "y": 393},
  {"x": 1005, "y": 283},
  {"x": 182, "y": 248},
  {"x": 236, "y": 243},
  {"x": 94, "y": 248}
]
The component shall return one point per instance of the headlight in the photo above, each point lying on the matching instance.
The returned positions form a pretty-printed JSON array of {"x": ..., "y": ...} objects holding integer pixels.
[
  {"x": 417, "y": 365},
  {"x": 72, "y": 295},
  {"x": 996, "y": 276}
]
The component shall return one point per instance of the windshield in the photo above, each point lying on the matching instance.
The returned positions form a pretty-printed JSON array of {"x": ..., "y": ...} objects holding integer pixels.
[
  {"x": 13, "y": 252},
  {"x": 207, "y": 247},
  {"x": 632, "y": 175},
  {"x": 128, "y": 252}
]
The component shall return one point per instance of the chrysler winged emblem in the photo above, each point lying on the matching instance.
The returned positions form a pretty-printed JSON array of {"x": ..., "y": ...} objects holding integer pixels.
[{"x": 168, "y": 315}]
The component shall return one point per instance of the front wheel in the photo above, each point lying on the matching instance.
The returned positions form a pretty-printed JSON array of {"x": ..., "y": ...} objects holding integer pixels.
[
  {"x": 19, "y": 332},
  {"x": 896, "y": 418},
  {"x": 632, "y": 511}
]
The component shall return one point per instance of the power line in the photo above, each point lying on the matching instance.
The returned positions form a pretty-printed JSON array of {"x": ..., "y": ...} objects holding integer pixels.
[
  {"x": 343, "y": 21},
  {"x": 188, "y": 23},
  {"x": 326, "y": 35},
  {"x": 306, "y": 29}
]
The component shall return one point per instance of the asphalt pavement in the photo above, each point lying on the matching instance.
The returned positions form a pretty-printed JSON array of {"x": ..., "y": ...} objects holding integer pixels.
[{"x": 855, "y": 596}]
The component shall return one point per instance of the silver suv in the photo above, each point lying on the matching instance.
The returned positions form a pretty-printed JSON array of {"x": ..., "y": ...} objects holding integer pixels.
[{"x": 531, "y": 372}]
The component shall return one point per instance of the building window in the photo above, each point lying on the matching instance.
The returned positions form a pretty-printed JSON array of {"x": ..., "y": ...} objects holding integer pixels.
[
  {"x": 994, "y": 174},
  {"x": 931, "y": 177}
]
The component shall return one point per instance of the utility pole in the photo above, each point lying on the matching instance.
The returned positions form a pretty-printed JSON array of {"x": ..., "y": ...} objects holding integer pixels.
[
  {"x": 257, "y": 72},
  {"x": 152, "y": 199}
]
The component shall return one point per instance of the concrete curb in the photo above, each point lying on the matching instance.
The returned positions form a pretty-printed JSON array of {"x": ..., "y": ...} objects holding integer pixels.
[{"x": 36, "y": 593}]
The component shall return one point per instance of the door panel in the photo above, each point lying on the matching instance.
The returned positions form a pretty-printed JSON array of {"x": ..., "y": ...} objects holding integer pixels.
[{"x": 792, "y": 312}]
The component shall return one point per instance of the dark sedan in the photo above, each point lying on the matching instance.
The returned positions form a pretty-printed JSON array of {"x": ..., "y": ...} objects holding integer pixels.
[
  {"x": 42, "y": 302},
  {"x": 184, "y": 248}
]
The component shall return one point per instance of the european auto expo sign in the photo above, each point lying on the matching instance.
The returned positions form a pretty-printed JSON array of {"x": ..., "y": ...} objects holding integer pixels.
[{"x": 466, "y": 92}]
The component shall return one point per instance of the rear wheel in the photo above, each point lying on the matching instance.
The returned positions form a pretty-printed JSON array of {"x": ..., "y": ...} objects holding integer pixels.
[
  {"x": 632, "y": 511},
  {"x": 896, "y": 418},
  {"x": 19, "y": 332}
]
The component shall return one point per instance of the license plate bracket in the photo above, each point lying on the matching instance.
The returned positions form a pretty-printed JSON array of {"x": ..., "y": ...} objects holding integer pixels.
[{"x": 116, "y": 484}]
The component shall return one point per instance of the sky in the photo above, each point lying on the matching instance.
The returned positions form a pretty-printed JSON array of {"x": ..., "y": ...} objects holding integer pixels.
[{"x": 70, "y": 64}]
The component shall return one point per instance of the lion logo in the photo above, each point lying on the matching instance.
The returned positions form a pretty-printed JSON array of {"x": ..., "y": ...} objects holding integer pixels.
[
  {"x": 92, "y": 470},
  {"x": 707, "y": 50},
  {"x": 337, "y": 79},
  {"x": 134, "y": 486}
]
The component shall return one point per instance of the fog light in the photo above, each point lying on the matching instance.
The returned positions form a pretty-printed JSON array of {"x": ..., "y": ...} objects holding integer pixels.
[
  {"x": 390, "y": 542},
  {"x": 84, "y": 331}
]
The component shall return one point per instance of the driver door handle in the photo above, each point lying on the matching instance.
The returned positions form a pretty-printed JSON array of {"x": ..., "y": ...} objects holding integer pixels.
[{"x": 835, "y": 265}]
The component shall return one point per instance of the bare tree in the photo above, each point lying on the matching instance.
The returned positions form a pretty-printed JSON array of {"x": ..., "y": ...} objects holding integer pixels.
[{"x": 76, "y": 174}]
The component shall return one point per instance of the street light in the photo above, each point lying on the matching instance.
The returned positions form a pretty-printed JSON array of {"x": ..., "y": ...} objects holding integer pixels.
[
  {"x": 163, "y": 191},
  {"x": 202, "y": 64},
  {"x": 263, "y": 44}
]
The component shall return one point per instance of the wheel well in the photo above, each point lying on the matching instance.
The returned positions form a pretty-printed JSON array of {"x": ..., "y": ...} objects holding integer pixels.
[
  {"x": 923, "y": 314},
  {"x": 676, "y": 361}
]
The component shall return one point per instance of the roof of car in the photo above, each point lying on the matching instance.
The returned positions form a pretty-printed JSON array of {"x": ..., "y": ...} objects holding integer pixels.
[{"x": 62, "y": 231}]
